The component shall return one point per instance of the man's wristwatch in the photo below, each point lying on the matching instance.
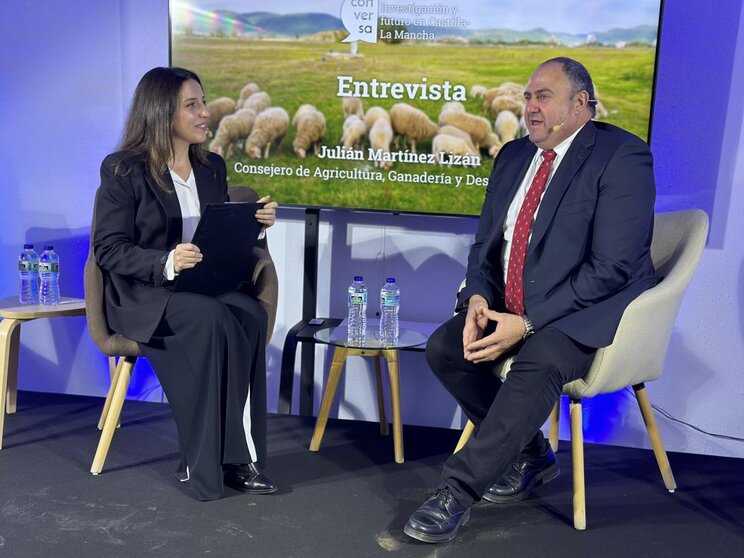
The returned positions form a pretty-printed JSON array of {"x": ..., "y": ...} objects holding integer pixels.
[{"x": 528, "y": 327}]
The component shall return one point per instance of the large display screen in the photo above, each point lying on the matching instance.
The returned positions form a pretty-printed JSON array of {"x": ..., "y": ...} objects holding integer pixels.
[{"x": 397, "y": 105}]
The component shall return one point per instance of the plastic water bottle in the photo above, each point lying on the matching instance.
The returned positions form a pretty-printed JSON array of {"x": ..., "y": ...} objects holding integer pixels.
[
  {"x": 49, "y": 276},
  {"x": 357, "y": 319},
  {"x": 28, "y": 270},
  {"x": 389, "y": 309}
]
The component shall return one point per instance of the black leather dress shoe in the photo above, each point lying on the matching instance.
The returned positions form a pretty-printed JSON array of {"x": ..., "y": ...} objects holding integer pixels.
[
  {"x": 523, "y": 475},
  {"x": 247, "y": 478},
  {"x": 438, "y": 519}
]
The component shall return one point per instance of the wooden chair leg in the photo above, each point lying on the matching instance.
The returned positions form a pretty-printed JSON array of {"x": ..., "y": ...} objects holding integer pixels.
[
  {"x": 380, "y": 397},
  {"x": 653, "y": 434},
  {"x": 467, "y": 432},
  {"x": 113, "y": 413},
  {"x": 107, "y": 405},
  {"x": 577, "y": 458},
  {"x": 555, "y": 427},
  {"x": 391, "y": 355},
  {"x": 337, "y": 365},
  {"x": 469, "y": 428}
]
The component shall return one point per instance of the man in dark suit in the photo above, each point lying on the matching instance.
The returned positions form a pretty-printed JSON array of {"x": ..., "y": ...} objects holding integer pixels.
[{"x": 562, "y": 248}]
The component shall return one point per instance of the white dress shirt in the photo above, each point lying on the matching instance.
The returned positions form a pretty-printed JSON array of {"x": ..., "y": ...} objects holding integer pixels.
[
  {"x": 516, "y": 204},
  {"x": 188, "y": 200}
]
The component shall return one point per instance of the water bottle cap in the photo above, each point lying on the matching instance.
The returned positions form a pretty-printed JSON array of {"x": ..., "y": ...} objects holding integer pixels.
[
  {"x": 390, "y": 280},
  {"x": 28, "y": 246},
  {"x": 358, "y": 278},
  {"x": 48, "y": 247}
]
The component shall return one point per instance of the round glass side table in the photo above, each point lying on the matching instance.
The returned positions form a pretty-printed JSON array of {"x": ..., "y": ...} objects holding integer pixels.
[{"x": 370, "y": 346}]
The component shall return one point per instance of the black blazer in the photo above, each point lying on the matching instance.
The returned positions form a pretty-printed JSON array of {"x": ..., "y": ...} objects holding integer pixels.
[
  {"x": 588, "y": 257},
  {"x": 136, "y": 225}
]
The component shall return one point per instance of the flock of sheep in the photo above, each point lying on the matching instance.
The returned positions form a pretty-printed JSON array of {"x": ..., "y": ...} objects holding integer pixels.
[{"x": 253, "y": 125}]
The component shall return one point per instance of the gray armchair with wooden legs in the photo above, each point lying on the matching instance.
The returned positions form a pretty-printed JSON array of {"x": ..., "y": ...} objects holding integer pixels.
[
  {"x": 639, "y": 348},
  {"x": 123, "y": 352}
]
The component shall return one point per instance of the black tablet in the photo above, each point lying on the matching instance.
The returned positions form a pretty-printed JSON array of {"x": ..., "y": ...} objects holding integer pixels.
[{"x": 226, "y": 235}]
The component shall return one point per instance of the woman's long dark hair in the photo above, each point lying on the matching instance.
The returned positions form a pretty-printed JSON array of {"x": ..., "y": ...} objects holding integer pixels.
[{"x": 147, "y": 133}]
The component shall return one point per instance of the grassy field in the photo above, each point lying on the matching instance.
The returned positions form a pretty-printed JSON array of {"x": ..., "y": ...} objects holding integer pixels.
[{"x": 297, "y": 72}]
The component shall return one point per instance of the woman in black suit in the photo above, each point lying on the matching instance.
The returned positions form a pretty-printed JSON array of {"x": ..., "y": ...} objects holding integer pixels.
[{"x": 208, "y": 352}]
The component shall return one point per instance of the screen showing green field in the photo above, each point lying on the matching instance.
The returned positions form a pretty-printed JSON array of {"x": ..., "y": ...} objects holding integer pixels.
[{"x": 397, "y": 105}]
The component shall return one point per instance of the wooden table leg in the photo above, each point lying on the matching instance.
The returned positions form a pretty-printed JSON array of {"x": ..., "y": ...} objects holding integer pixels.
[
  {"x": 337, "y": 365},
  {"x": 380, "y": 397},
  {"x": 9, "y": 346},
  {"x": 391, "y": 355},
  {"x": 15, "y": 351}
]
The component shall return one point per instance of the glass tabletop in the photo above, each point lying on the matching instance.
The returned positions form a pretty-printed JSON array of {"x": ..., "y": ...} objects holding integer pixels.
[{"x": 339, "y": 337}]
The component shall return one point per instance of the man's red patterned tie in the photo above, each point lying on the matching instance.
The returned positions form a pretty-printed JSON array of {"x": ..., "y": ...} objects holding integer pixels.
[{"x": 520, "y": 239}]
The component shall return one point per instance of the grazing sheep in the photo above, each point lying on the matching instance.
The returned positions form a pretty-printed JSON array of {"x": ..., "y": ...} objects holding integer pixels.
[
  {"x": 300, "y": 111},
  {"x": 506, "y": 89},
  {"x": 380, "y": 136},
  {"x": 458, "y": 133},
  {"x": 233, "y": 127},
  {"x": 310, "y": 125},
  {"x": 218, "y": 109},
  {"x": 352, "y": 105},
  {"x": 450, "y": 145},
  {"x": 269, "y": 127},
  {"x": 507, "y": 125},
  {"x": 258, "y": 101},
  {"x": 599, "y": 109},
  {"x": 411, "y": 123},
  {"x": 507, "y": 102},
  {"x": 514, "y": 88},
  {"x": 248, "y": 90},
  {"x": 522, "y": 127},
  {"x": 451, "y": 106},
  {"x": 478, "y": 127},
  {"x": 493, "y": 144},
  {"x": 354, "y": 130},
  {"x": 478, "y": 91},
  {"x": 373, "y": 115}
]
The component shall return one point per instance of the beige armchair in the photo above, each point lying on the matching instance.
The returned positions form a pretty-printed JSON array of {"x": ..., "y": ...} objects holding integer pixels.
[
  {"x": 123, "y": 352},
  {"x": 638, "y": 351}
]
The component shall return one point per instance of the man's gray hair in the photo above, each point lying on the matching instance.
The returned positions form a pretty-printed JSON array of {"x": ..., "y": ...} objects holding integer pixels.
[{"x": 579, "y": 77}]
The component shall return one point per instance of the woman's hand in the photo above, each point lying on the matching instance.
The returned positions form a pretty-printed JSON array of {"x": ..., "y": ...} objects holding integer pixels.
[
  {"x": 186, "y": 256},
  {"x": 266, "y": 215}
]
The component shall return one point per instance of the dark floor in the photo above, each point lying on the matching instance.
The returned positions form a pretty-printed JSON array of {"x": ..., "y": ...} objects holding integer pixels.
[{"x": 348, "y": 500}]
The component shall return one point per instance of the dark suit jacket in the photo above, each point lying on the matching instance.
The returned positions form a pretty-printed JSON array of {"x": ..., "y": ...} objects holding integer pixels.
[
  {"x": 588, "y": 257},
  {"x": 136, "y": 224}
]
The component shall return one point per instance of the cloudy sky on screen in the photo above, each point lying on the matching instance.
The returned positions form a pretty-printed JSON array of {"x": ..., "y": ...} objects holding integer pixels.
[{"x": 567, "y": 16}]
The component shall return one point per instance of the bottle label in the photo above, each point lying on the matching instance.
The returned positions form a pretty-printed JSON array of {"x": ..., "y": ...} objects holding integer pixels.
[
  {"x": 389, "y": 300},
  {"x": 27, "y": 266},
  {"x": 358, "y": 298},
  {"x": 49, "y": 267}
]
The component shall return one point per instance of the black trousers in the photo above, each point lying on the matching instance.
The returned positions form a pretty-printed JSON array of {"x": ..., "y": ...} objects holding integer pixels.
[
  {"x": 209, "y": 355},
  {"x": 507, "y": 416}
]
